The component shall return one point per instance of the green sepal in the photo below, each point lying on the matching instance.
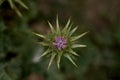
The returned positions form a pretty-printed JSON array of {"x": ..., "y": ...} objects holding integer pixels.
[
  {"x": 45, "y": 53},
  {"x": 70, "y": 59},
  {"x": 42, "y": 36},
  {"x": 79, "y": 36},
  {"x": 71, "y": 32},
  {"x": 51, "y": 27},
  {"x": 73, "y": 52},
  {"x": 51, "y": 60},
  {"x": 77, "y": 45},
  {"x": 66, "y": 26},
  {"x": 43, "y": 43},
  {"x": 57, "y": 25},
  {"x": 67, "y": 32},
  {"x": 58, "y": 59}
]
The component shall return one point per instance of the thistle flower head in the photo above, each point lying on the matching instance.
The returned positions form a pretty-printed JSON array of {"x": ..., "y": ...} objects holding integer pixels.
[{"x": 60, "y": 42}]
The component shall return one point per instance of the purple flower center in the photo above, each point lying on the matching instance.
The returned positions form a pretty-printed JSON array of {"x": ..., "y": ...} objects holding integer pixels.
[{"x": 60, "y": 43}]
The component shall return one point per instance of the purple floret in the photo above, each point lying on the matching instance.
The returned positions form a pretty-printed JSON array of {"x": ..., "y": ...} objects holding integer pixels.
[{"x": 60, "y": 43}]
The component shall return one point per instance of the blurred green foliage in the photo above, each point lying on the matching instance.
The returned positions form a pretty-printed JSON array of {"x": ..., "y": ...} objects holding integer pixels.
[{"x": 18, "y": 48}]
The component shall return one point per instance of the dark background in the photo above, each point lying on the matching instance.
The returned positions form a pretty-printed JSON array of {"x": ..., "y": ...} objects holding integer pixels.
[{"x": 100, "y": 60}]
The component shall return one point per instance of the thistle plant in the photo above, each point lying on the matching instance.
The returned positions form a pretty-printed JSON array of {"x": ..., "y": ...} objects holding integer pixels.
[{"x": 60, "y": 42}]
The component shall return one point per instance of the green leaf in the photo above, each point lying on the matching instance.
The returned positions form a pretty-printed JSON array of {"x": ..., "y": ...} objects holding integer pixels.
[
  {"x": 58, "y": 59},
  {"x": 51, "y": 60},
  {"x": 22, "y": 4},
  {"x": 45, "y": 53},
  {"x": 78, "y": 45},
  {"x": 79, "y": 36},
  {"x": 73, "y": 31},
  {"x": 52, "y": 29},
  {"x": 70, "y": 59},
  {"x": 73, "y": 52}
]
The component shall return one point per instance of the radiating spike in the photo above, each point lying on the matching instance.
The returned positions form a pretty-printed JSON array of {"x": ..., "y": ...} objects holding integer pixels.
[
  {"x": 43, "y": 43},
  {"x": 67, "y": 25},
  {"x": 51, "y": 27},
  {"x": 79, "y": 36},
  {"x": 58, "y": 60},
  {"x": 68, "y": 31},
  {"x": 57, "y": 24},
  {"x": 51, "y": 60},
  {"x": 73, "y": 30},
  {"x": 70, "y": 59},
  {"x": 45, "y": 53},
  {"x": 40, "y": 35},
  {"x": 73, "y": 52},
  {"x": 78, "y": 45}
]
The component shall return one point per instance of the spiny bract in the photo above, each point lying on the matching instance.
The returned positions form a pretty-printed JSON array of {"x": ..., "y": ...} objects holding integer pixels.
[{"x": 60, "y": 42}]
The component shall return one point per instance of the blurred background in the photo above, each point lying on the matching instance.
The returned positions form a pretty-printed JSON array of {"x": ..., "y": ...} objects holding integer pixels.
[{"x": 100, "y": 60}]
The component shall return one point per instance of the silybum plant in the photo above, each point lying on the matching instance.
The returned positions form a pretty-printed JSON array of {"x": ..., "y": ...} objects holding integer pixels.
[{"x": 60, "y": 42}]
